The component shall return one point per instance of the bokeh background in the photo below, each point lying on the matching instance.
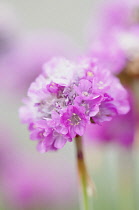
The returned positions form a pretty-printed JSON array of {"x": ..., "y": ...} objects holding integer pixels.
[{"x": 31, "y": 32}]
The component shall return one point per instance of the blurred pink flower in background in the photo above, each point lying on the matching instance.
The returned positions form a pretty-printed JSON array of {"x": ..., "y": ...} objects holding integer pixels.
[
  {"x": 22, "y": 54},
  {"x": 116, "y": 39},
  {"x": 114, "y": 15},
  {"x": 120, "y": 14},
  {"x": 110, "y": 54},
  {"x": 24, "y": 63},
  {"x": 28, "y": 183}
]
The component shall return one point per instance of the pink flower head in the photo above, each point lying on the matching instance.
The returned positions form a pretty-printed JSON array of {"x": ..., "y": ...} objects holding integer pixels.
[
  {"x": 116, "y": 40},
  {"x": 120, "y": 14},
  {"x": 66, "y": 97},
  {"x": 115, "y": 15}
]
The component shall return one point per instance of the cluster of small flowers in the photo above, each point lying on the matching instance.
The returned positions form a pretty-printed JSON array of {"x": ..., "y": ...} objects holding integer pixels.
[{"x": 66, "y": 97}]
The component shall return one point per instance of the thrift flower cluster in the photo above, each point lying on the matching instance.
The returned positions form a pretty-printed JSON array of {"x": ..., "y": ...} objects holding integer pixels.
[{"x": 66, "y": 97}]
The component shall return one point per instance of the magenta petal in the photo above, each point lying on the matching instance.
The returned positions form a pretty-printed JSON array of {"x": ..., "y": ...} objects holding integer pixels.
[
  {"x": 62, "y": 129},
  {"x": 72, "y": 132},
  {"x": 41, "y": 147},
  {"x": 85, "y": 85},
  {"x": 79, "y": 129},
  {"x": 94, "y": 111},
  {"x": 60, "y": 141},
  {"x": 41, "y": 123},
  {"x": 48, "y": 141},
  {"x": 36, "y": 135}
]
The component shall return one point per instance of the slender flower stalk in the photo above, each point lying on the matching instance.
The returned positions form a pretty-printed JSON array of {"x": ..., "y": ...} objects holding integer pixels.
[{"x": 87, "y": 186}]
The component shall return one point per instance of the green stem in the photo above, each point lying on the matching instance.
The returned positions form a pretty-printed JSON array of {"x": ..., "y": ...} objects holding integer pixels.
[
  {"x": 127, "y": 181},
  {"x": 85, "y": 180}
]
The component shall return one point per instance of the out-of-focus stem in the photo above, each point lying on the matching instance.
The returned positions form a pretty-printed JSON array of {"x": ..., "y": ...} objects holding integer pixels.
[
  {"x": 85, "y": 181},
  {"x": 127, "y": 182}
]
